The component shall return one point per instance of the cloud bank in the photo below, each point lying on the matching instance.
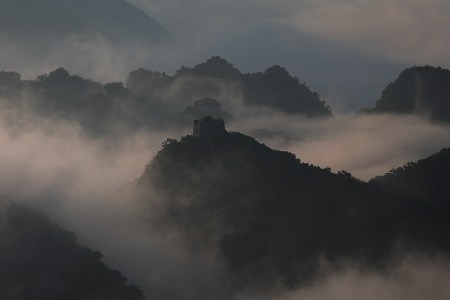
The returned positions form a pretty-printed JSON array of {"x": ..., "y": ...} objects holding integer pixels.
[
  {"x": 78, "y": 181},
  {"x": 414, "y": 278},
  {"x": 364, "y": 145}
]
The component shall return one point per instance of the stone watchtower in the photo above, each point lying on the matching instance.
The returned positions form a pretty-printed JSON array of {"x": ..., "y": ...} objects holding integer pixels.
[{"x": 207, "y": 127}]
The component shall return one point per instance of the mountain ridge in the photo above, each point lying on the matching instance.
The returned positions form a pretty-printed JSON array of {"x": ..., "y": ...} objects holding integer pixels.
[
  {"x": 40, "y": 260},
  {"x": 270, "y": 218},
  {"x": 420, "y": 90},
  {"x": 426, "y": 180}
]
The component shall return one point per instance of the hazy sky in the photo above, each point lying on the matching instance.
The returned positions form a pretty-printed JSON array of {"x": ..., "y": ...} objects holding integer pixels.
[
  {"x": 413, "y": 31},
  {"x": 346, "y": 50}
]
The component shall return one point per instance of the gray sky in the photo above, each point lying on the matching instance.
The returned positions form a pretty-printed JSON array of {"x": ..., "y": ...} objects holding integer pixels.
[{"x": 413, "y": 31}]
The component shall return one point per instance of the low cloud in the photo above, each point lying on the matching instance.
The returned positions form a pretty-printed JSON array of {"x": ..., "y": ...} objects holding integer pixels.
[
  {"x": 365, "y": 145},
  {"x": 410, "y": 31},
  {"x": 93, "y": 57},
  {"x": 78, "y": 181},
  {"x": 81, "y": 183},
  {"x": 415, "y": 278}
]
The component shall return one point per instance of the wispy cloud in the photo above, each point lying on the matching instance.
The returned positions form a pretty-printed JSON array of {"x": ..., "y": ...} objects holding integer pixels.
[{"x": 364, "y": 145}]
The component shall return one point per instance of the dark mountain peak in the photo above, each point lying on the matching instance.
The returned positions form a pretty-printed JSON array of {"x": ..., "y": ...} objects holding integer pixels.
[
  {"x": 278, "y": 89},
  {"x": 270, "y": 218},
  {"x": 422, "y": 90},
  {"x": 215, "y": 67},
  {"x": 60, "y": 74},
  {"x": 277, "y": 71},
  {"x": 426, "y": 180},
  {"x": 426, "y": 70},
  {"x": 274, "y": 87},
  {"x": 60, "y": 79}
]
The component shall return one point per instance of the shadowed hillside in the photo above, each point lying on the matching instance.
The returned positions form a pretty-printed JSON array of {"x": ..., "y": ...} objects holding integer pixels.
[
  {"x": 418, "y": 90},
  {"x": 270, "y": 217},
  {"x": 39, "y": 260},
  {"x": 216, "y": 78},
  {"x": 427, "y": 180}
]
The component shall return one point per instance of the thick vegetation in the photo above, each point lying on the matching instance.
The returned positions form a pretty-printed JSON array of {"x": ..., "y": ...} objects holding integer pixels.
[
  {"x": 274, "y": 88},
  {"x": 427, "y": 180},
  {"x": 269, "y": 216},
  {"x": 418, "y": 90},
  {"x": 39, "y": 260}
]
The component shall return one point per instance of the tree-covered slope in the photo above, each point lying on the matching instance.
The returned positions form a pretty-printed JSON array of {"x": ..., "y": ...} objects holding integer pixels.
[
  {"x": 270, "y": 217},
  {"x": 274, "y": 88},
  {"x": 418, "y": 90},
  {"x": 39, "y": 260},
  {"x": 156, "y": 100},
  {"x": 427, "y": 180}
]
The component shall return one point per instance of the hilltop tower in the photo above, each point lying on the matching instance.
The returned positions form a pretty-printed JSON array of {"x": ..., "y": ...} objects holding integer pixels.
[{"x": 208, "y": 126}]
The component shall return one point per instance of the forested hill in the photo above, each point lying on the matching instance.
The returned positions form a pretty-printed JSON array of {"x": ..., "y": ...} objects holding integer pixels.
[
  {"x": 39, "y": 260},
  {"x": 268, "y": 216},
  {"x": 427, "y": 180},
  {"x": 418, "y": 90},
  {"x": 274, "y": 87},
  {"x": 156, "y": 100}
]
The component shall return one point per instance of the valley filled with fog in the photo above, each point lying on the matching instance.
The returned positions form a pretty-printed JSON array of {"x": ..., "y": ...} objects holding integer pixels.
[{"x": 308, "y": 174}]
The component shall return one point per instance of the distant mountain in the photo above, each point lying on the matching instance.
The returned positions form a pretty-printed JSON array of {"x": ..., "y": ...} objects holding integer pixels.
[
  {"x": 274, "y": 88},
  {"x": 271, "y": 218},
  {"x": 153, "y": 99},
  {"x": 39, "y": 260},
  {"x": 99, "y": 109},
  {"x": 427, "y": 180},
  {"x": 113, "y": 20},
  {"x": 418, "y": 90}
]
